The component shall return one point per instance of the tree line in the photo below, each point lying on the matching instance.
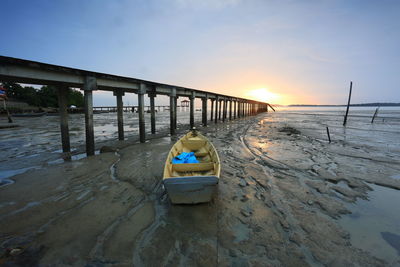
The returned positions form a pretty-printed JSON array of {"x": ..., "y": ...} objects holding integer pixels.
[{"x": 45, "y": 97}]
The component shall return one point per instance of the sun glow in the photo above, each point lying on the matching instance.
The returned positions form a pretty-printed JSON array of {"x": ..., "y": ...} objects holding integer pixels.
[{"x": 262, "y": 94}]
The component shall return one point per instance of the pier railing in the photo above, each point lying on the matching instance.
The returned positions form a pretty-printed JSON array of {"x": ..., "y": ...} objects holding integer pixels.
[{"x": 62, "y": 78}]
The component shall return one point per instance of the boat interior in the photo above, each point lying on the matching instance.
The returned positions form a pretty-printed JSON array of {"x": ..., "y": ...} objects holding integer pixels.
[{"x": 204, "y": 151}]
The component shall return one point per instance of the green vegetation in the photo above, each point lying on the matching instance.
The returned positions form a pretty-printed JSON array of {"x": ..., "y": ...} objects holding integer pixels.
[{"x": 45, "y": 97}]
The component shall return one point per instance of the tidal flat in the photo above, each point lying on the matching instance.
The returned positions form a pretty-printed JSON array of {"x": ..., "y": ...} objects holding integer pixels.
[{"x": 286, "y": 197}]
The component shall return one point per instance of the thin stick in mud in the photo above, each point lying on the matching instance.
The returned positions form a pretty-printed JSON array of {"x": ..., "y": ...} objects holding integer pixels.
[
  {"x": 348, "y": 104},
  {"x": 376, "y": 113}
]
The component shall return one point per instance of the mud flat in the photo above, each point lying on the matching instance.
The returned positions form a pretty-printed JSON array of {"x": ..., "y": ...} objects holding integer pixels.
[{"x": 283, "y": 194}]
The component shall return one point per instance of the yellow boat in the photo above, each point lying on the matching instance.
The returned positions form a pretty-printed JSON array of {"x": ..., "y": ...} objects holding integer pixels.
[{"x": 190, "y": 183}]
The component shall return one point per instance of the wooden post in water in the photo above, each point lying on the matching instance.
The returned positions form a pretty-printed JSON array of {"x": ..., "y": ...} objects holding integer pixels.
[
  {"x": 376, "y": 113},
  {"x": 152, "y": 95},
  {"x": 348, "y": 105},
  {"x": 230, "y": 109},
  {"x": 62, "y": 108},
  {"x": 216, "y": 109},
  {"x": 88, "y": 87},
  {"x": 172, "y": 111},
  {"x": 120, "y": 114},
  {"x": 212, "y": 109},
  {"x": 191, "y": 98},
  {"x": 204, "y": 110},
  {"x": 142, "y": 130},
  {"x": 329, "y": 136}
]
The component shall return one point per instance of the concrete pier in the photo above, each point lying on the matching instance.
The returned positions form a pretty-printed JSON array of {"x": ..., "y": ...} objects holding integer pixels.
[{"x": 31, "y": 72}]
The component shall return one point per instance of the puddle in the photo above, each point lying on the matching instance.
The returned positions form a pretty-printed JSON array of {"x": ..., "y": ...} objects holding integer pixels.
[
  {"x": 374, "y": 225},
  {"x": 395, "y": 176}
]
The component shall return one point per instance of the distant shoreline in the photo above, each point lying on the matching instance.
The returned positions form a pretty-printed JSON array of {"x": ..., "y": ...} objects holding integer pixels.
[{"x": 352, "y": 105}]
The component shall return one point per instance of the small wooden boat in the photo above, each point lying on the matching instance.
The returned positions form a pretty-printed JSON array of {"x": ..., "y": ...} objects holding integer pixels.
[
  {"x": 33, "y": 114},
  {"x": 190, "y": 183}
]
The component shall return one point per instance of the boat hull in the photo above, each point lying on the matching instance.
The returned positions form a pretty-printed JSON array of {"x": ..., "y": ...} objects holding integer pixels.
[{"x": 192, "y": 189}]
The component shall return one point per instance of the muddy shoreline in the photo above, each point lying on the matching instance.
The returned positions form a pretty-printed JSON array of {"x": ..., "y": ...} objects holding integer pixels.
[{"x": 282, "y": 191}]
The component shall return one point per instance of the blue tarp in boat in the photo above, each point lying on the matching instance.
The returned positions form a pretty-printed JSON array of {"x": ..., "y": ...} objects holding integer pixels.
[{"x": 185, "y": 157}]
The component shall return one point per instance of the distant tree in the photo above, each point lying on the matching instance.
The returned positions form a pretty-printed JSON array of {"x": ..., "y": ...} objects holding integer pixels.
[
  {"x": 75, "y": 98},
  {"x": 46, "y": 96}
]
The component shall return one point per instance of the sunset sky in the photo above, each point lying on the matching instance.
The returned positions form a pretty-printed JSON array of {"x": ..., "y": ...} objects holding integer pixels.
[{"x": 286, "y": 52}]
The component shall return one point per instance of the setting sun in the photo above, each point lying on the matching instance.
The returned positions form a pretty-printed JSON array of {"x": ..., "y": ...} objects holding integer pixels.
[{"x": 262, "y": 94}]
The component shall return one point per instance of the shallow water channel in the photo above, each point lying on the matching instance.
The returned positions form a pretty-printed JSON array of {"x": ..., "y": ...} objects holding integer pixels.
[{"x": 374, "y": 224}]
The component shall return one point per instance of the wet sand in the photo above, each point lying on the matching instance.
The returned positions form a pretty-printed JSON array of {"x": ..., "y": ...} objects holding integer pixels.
[{"x": 282, "y": 193}]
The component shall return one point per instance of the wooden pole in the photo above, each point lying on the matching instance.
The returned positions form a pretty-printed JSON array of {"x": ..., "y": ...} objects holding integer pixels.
[
  {"x": 120, "y": 114},
  {"x": 191, "y": 98},
  {"x": 89, "y": 86},
  {"x": 376, "y": 113},
  {"x": 152, "y": 113},
  {"x": 348, "y": 105},
  {"x": 62, "y": 107},
  {"x": 142, "y": 130},
  {"x": 172, "y": 111},
  {"x": 224, "y": 105},
  {"x": 329, "y": 136}
]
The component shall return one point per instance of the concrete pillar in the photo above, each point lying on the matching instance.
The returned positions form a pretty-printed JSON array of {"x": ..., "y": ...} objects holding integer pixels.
[
  {"x": 152, "y": 95},
  {"x": 234, "y": 109},
  {"x": 219, "y": 109},
  {"x": 142, "y": 129},
  {"x": 230, "y": 109},
  {"x": 216, "y": 109},
  {"x": 212, "y": 109},
  {"x": 204, "y": 110},
  {"x": 172, "y": 111},
  {"x": 176, "y": 113},
  {"x": 62, "y": 107},
  {"x": 191, "y": 98},
  {"x": 88, "y": 87},
  {"x": 120, "y": 116},
  {"x": 224, "y": 112}
]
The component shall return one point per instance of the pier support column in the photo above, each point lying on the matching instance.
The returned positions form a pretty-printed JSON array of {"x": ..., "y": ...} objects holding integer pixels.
[
  {"x": 152, "y": 95},
  {"x": 142, "y": 129},
  {"x": 212, "y": 109},
  {"x": 191, "y": 98},
  {"x": 120, "y": 115},
  {"x": 172, "y": 111},
  {"x": 224, "y": 113},
  {"x": 216, "y": 109},
  {"x": 88, "y": 87},
  {"x": 234, "y": 109},
  {"x": 176, "y": 113},
  {"x": 230, "y": 109},
  {"x": 219, "y": 109},
  {"x": 62, "y": 107},
  {"x": 204, "y": 110},
  {"x": 238, "y": 108}
]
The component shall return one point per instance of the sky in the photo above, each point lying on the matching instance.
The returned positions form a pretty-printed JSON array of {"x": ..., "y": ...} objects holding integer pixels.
[{"x": 283, "y": 52}]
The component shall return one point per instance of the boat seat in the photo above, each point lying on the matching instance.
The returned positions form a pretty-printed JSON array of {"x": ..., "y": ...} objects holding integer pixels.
[
  {"x": 193, "y": 144},
  {"x": 193, "y": 167},
  {"x": 201, "y": 154}
]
